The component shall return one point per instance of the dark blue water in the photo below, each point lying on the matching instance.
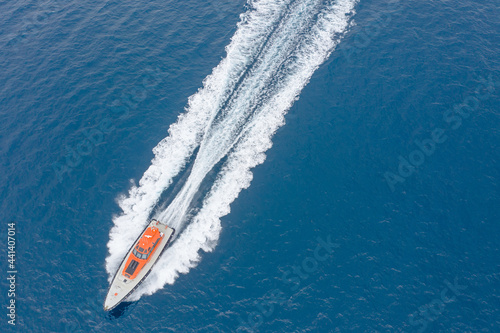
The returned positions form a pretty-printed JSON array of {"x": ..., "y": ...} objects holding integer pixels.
[{"x": 376, "y": 210}]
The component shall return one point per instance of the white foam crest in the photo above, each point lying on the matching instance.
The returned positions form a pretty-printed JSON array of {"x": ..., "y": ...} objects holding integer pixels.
[
  {"x": 173, "y": 152},
  {"x": 221, "y": 135},
  {"x": 250, "y": 145}
]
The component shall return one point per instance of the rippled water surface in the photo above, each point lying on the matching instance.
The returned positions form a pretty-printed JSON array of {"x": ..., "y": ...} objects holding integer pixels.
[{"x": 330, "y": 166}]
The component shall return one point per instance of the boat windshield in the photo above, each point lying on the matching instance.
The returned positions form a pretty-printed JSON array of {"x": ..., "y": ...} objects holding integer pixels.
[
  {"x": 140, "y": 255},
  {"x": 148, "y": 251}
]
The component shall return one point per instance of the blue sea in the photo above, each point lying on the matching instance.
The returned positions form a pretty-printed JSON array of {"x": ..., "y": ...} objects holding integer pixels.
[{"x": 328, "y": 165}]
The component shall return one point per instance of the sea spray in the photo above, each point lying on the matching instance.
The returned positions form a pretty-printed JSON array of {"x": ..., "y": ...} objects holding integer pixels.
[{"x": 276, "y": 49}]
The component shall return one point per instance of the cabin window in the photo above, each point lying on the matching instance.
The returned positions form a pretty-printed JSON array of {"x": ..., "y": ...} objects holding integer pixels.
[
  {"x": 139, "y": 255},
  {"x": 132, "y": 267}
]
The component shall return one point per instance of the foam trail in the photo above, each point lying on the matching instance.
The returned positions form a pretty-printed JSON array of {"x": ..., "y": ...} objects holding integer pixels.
[
  {"x": 277, "y": 47},
  {"x": 172, "y": 153},
  {"x": 222, "y": 132}
]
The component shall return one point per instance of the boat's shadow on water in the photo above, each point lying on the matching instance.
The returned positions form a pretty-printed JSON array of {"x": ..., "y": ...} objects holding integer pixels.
[{"x": 121, "y": 309}]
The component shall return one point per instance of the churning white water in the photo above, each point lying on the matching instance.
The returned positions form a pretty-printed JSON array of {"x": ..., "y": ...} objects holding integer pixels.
[{"x": 277, "y": 47}]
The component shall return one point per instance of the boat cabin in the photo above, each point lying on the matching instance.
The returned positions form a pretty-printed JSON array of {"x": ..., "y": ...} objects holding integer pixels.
[{"x": 142, "y": 251}]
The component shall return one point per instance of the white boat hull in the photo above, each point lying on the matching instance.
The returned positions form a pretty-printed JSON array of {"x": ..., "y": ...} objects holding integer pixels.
[{"x": 121, "y": 287}]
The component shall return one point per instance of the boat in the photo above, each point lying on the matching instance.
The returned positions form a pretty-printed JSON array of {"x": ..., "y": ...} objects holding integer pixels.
[{"x": 138, "y": 262}]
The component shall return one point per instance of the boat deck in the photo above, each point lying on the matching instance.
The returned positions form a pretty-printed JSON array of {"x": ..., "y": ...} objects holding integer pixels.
[{"x": 121, "y": 287}]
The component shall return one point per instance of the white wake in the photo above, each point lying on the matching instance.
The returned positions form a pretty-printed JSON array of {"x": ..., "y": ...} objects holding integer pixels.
[{"x": 277, "y": 47}]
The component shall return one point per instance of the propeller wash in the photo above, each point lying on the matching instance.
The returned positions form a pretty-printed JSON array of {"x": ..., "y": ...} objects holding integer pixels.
[{"x": 271, "y": 57}]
